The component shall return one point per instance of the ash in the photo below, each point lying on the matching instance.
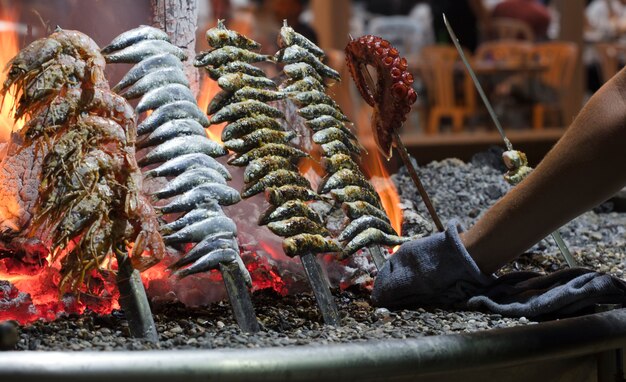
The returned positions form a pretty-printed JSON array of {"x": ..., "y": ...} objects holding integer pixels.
[{"x": 459, "y": 190}]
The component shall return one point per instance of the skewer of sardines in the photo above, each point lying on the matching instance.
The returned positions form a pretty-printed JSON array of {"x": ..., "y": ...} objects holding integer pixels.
[
  {"x": 306, "y": 84},
  {"x": 262, "y": 144},
  {"x": 175, "y": 138},
  {"x": 90, "y": 203}
]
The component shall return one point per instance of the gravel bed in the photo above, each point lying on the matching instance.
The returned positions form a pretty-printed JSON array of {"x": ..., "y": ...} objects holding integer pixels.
[
  {"x": 463, "y": 191},
  {"x": 460, "y": 190},
  {"x": 285, "y": 321}
]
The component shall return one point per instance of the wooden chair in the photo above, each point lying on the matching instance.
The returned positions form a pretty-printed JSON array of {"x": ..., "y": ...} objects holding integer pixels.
[
  {"x": 610, "y": 55},
  {"x": 504, "y": 51},
  {"x": 561, "y": 59},
  {"x": 438, "y": 70},
  {"x": 503, "y": 28}
]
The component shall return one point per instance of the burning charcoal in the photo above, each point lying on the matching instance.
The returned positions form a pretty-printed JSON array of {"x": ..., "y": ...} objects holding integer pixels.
[{"x": 174, "y": 134}]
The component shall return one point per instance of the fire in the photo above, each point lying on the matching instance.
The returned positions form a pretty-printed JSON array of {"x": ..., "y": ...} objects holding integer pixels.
[
  {"x": 208, "y": 90},
  {"x": 10, "y": 47},
  {"x": 375, "y": 169}
]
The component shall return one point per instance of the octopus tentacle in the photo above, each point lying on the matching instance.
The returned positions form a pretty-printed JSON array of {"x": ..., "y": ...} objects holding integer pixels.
[{"x": 393, "y": 94}]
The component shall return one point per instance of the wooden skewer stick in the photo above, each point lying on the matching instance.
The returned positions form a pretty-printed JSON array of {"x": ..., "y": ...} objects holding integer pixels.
[
  {"x": 321, "y": 289},
  {"x": 404, "y": 154},
  {"x": 133, "y": 299},
  {"x": 239, "y": 297},
  {"x": 377, "y": 253}
]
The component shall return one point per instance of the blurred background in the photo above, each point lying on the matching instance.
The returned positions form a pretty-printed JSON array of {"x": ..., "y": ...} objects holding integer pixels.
[{"x": 538, "y": 60}]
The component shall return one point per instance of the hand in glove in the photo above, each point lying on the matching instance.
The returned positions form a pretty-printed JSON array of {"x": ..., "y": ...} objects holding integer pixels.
[{"x": 436, "y": 270}]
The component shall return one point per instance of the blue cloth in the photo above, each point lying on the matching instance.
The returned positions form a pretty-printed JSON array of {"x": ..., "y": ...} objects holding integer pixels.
[{"x": 438, "y": 271}]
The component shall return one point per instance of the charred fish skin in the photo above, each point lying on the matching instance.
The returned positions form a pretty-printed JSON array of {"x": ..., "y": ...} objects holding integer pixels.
[
  {"x": 314, "y": 110},
  {"x": 304, "y": 85},
  {"x": 301, "y": 70},
  {"x": 336, "y": 134},
  {"x": 221, "y": 99},
  {"x": 290, "y": 208},
  {"x": 288, "y": 36},
  {"x": 294, "y": 54},
  {"x": 233, "y": 67},
  {"x": 220, "y": 56},
  {"x": 243, "y": 109},
  {"x": 344, "y": 178},
  {"x": 257, "y": 139},
  {"x": 260, "y": 167},
  {"x": 180, "y": 164},
  {"x": 220, "y": 36},
  {"x": 296, "y": 225},
  {"x": 268, "y": 149},
  {"x": 279, "y": 195},
  {"x": 354, "y": 194},
  {"x": 338, "y": 162},
  {"x": 355, "y": 210},
  {"x": 235, "y": 81},
  {"x": 312, "y": 97},
  {"x": 245, "y": 126},
  {"x": 364, "y": 222},
  {"x": 309, "y": 243},
  {"x": 371, "y": 236},
  {"x": 276, "y": 178}
]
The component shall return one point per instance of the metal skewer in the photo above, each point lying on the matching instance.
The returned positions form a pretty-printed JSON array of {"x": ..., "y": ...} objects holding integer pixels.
[{"x": 569, "y": 259}]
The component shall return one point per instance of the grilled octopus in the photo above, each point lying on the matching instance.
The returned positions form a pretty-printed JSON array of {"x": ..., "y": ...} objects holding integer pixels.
[
  {"x": 344, "y": 181},
  {"x": 260, "y": 141},
  {"x": 174, "y": 134},
  {"x": 392, "y": 96},
  {"x": 89, "y": 199}
]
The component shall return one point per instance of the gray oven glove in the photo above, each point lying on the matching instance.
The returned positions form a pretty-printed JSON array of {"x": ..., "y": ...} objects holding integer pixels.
[{"x": 438, "y": 271}]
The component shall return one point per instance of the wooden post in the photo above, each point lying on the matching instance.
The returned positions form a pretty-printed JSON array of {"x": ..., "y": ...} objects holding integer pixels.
[
  {"x": 179, "y": 18},
  {"x": 572, "y": 21},
  {"x": 331, "y": 22}
]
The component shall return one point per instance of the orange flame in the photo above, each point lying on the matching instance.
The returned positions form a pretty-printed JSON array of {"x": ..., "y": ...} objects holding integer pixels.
[
  {"x": 379, "y": 177},
  {"x": 208, "y": 90},
  {"x": 9, "y": 48}
]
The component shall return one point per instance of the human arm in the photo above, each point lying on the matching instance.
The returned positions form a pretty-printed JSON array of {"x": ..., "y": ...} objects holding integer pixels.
[{"x": 584, "y": 168}]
